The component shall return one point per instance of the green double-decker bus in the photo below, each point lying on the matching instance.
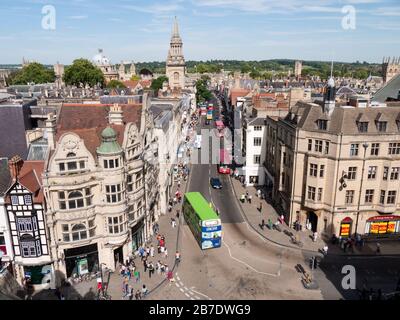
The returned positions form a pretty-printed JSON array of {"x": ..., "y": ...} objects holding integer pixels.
[{"x": 202, "y": 220}]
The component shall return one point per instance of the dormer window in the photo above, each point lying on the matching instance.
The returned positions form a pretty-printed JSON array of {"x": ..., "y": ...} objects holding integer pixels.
[
  {"x": 381, "y": 126},
  {"x": 111, "y": 163},
  {"x": 363, "y": 127},
  {"x": 322, "y": 124}
]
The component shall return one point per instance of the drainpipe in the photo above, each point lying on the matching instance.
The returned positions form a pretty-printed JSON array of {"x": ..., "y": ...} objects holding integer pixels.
[
  {"x": 337, "y": 176},
  {"x": 294, "y": 175},
  {"x": 365, "y": 145}
]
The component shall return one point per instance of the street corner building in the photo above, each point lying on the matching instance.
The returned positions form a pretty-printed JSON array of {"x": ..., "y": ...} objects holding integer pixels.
[
  {"x": 100, "y": 185},
  {"x": 335, "y": 168}
]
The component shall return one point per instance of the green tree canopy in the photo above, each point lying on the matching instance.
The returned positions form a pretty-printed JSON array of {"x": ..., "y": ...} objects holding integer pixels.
[
  {"x": 115, "y": 84},
  {"x": 34, "y": 72},
  {"x": 203, "y": 94},
  {"x": 135, "y": 78},
  {"x": 82, "y": 72},
  {"x": 158, "y": 83}
]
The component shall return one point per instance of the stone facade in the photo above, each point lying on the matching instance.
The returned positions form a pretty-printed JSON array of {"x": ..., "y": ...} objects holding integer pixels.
[
  {"x": 100, "y": 184},
  {"x": 176, "y": 65}
]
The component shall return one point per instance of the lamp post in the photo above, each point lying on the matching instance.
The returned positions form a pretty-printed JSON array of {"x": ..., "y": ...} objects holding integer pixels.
[{"x": 365, "y": 145}]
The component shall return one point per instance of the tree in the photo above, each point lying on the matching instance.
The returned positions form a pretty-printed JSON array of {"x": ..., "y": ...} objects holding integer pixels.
[
  {"x": 82, "y": 72},
  {"x": 255, "y": 74},
  {"x": 115, "y": 84},
  {"x": 135, "y": 78},
  {"x": 203, "y": 94},
  {"x": 157, "y": 84},
  {"x": 34, "y": 72}
]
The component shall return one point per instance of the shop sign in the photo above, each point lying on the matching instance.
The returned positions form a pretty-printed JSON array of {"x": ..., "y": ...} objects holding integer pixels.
[
  {"x": 383, "y": 218},
  {"x": 83, "y": 266},
  {"x": 345, "y": 229}
]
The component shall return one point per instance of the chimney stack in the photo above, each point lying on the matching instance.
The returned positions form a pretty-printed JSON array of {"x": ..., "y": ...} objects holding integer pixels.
[
  {"x": 115, "y": 115},
  {"x": 51, "y": 130},
  {"x": 15, "y": 166}
]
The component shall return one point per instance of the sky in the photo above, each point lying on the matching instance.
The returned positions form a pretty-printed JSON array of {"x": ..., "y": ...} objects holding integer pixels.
[{"x": 140, "y": 30}]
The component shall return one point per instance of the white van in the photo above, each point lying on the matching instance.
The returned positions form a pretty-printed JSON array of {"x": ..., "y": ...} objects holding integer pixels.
[{"x": 198, "y": 141}]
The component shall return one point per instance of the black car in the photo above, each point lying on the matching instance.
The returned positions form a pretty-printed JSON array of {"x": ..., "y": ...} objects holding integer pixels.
[{"x": 216, "y": 183}]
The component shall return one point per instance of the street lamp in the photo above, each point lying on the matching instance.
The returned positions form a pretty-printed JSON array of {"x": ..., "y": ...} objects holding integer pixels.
[{"x": 365, "y": 145}]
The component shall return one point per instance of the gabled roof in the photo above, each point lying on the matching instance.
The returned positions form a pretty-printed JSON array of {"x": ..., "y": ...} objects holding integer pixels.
[
  {"x": 5, "y": 176},
  {"x": 89, "y": 120}
]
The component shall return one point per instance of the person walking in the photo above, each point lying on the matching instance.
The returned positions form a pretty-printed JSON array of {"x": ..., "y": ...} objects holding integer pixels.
[
  {"x": 166, "y": 253},
  {"x": 325, "y": 250},
  {"x": 145, "y": 291},
  {"x": 250, "y": 196},
  {"x": 378, "y": 248},
  {"x": 145, "y": 265},
  {"x": 315, "y": 235},
  {"x": 151, "y": 267},
  {"x": 138, "y": 295},
  {"x": 260, "y": 207},
  {"x": 177, "y": 257},
  {"x": 151, "y": 251},
  {"x": 177, "y": 214},
  {"x": 137, "y": 276}
]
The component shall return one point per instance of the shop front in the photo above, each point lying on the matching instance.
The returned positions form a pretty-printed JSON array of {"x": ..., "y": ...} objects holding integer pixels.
[
  {"x": 39, "y": 275},
  {"x": 383, "y": 225},
  {"x": 81, "y": 260},
  {"x": 137, "y": 235},
  {"x": 345, "y": 227}
]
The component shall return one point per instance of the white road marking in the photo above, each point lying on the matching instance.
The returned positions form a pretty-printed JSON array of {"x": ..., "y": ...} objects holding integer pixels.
[
  {"x": 178, "y": 277},
  {"x": 202, "y": 294},
  {"x": 177, "y": 284},
  {"x": 181, "y": 283},
  {"x": 181, "y": 289},
  {"x": 187, "y": 295},
  {"x": 197, "y": 297},
  {"x": 192, "y": 298},
  {"x": 247, "y": 265}
]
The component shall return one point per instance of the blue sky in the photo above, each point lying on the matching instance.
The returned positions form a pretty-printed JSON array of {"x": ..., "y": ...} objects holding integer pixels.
[{"x": 139, "y": 30}]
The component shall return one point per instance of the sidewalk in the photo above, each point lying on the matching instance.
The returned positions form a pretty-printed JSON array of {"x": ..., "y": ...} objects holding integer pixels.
[{"x": 254, "y": 216}]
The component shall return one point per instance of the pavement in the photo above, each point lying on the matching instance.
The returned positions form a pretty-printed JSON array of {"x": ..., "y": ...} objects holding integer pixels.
[{"x": 254, "y": 217}]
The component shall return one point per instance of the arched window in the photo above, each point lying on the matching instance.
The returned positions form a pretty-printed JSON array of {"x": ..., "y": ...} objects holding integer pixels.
[
  {"x": 176, "y": 76},
  {"x": 75, "y": 200},
  {"x": 79, "y": 232},
  {"x": 71, "y": 155}
]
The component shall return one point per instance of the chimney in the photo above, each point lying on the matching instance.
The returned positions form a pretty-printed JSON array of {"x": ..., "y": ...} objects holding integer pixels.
[
  {"x": 115, "y": 115},
  {"x": 51, "y": 130},
  {"x": 15, "y": 166}
]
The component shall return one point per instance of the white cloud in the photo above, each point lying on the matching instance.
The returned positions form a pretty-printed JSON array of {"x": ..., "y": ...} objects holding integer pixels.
[
  {"x": 387, "y": 11},
  {"x": 82, "y": 17}
]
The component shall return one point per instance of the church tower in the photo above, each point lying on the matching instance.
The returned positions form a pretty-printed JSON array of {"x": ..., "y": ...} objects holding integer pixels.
[
  {"x": 390, "y": 68},
  {"x": 330, "y": 95},
  {"x": 176, "y": 65}
]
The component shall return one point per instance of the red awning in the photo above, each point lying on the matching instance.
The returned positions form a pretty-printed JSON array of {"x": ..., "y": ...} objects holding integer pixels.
[
  {"x": 347, "y": 219},
  {"x": 384, "y": 218}
]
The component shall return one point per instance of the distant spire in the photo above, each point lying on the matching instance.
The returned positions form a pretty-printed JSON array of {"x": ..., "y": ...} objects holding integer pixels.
[{"x": 175, "y": 32}]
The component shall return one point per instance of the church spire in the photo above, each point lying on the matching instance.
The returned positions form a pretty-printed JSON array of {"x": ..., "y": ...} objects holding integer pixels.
[{"x": 175, "y": 31}]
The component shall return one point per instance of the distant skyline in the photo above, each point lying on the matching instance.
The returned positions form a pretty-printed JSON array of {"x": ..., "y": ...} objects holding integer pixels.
[{"x": 140, "y": 30}]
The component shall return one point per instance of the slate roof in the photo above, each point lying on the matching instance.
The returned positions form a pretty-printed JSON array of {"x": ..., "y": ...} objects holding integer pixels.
[
  {"x": 5, "y": 176},
  {"x": 390, "y": 90},
  {"x": 344, "y": 119},
  {"x": 13, "y": 123}
]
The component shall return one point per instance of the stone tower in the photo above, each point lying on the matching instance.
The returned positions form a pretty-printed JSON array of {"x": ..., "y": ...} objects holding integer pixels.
[
  {"x": 390, "y": 68},
  {"x": 297, "y": 69},
  {"x": 176, "y": 65}
]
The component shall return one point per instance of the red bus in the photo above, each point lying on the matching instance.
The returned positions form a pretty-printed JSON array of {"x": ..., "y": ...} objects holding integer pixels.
[{"x": 224, "y": 162}]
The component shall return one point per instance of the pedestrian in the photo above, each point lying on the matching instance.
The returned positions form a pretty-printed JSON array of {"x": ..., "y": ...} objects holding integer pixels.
[
  {"x": 378, "y": 247},
  {"x": 177, "y": 257},
  {"x": 152, "y": 251},
  {"x": 250, "y": 196},
  {"x": 325, "y": 249},
  {"x": 162, "y": 268},
  {"x": 158, "y": 267},
  {"x": 150, "y": 269},
  {"x": 179, "y": 183},
  {"x": 173, "y": 223},
  {"x": 259, "y": 193},
  {"x": 147, "y": 251},
  {"x": 260, "y": 208},
  {"x": 170, "y": 276},
  {"x": 145, "y": 292},
  {"x": 137, "y": 275},
  {"x": 159, "y": 249},
  {"x": 145, "y": 265},
  {"x": 166, "y": 253},
  {"x": 130, "y": 294},
  {"x": 162, "y": 249},
  {"x": 315, "y": 235},
  {"x": 177, "y": 214}
]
